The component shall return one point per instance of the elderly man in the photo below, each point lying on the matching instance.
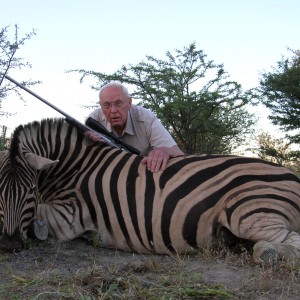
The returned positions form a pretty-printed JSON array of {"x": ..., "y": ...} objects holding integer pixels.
[{"x": 136, "y": 125}]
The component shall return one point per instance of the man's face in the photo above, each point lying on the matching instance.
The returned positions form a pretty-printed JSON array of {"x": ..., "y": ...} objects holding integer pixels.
[{"x": 115, "y": 106}]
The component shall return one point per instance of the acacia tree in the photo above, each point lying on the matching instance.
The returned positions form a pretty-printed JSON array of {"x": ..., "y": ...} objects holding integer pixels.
[
  {"x": 192, "y": 96},
  {"x": 281, "y": 94},
  {"x": 277, "y": 150},
  {"x": 8, "y": 60}
]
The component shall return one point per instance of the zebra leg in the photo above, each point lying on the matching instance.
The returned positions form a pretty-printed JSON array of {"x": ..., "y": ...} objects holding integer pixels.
[
  {"x": 62, "y": 218},
  {"x": 270, "y": 252},
  {"x": 273, "y": 240}
]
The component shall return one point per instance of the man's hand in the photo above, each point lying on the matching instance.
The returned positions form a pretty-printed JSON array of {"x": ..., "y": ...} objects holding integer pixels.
[
  {"x": 93, "y": 136},
  {"x": 158, "y": 158}
]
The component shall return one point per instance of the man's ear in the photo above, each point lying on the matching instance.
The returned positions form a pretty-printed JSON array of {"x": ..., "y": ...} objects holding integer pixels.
[{"x": 130, "y": 102}]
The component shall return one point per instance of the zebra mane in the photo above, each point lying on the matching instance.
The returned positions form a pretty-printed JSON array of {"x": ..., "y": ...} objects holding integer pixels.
[{"x": 34, "y": 126}]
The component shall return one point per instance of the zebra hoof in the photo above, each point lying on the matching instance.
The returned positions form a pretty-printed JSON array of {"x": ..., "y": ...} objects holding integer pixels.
[
  {"x": 38, "y": 230},
  {"x": 265, "y": 253}
]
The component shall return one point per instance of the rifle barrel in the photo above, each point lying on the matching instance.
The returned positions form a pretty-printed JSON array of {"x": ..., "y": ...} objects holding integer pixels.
[{"x": 69, "y": 118}]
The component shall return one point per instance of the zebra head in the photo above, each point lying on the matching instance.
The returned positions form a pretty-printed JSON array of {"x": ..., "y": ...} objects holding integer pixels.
[{"x": 18, "y": 195}]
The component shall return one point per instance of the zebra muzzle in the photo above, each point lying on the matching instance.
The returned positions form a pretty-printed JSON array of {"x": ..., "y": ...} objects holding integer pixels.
[{"x": 12, "y": 242}]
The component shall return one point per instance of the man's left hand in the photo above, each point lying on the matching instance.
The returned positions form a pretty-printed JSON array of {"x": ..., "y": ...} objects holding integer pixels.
[{"x": 158, "y": 158}]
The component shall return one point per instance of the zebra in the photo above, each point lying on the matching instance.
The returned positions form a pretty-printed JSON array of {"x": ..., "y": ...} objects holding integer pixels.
[{"x": 54, "y": 176}]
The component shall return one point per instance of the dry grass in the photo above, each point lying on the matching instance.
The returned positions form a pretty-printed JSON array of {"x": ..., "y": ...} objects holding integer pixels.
[{"x": 80, "y": 271}]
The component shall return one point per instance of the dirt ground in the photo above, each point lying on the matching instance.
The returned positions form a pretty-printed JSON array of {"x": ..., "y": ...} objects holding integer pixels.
[{"x": 77, "y": 270}]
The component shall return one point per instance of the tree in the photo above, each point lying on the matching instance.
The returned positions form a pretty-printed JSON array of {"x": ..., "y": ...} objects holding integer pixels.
[
  {"x": 277, "y": 151},
  {"x": 191, "y": 95},
  {"x": 3, "y": 141},
  {"x": 8, "y": 60},
  {"x": 281, "y": 94}
]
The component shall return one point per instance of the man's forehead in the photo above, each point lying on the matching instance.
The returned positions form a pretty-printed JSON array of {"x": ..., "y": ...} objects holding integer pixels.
[{"x": 112, "y": 94}]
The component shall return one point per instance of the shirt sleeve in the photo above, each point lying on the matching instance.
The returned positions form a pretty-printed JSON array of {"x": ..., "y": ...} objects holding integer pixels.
[
  {"x": 96, "y": 114},
  {"x": 159, "y": 135}
]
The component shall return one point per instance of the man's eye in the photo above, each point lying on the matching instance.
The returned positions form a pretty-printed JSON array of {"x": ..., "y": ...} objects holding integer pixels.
[{"x": 119, "y": 103}]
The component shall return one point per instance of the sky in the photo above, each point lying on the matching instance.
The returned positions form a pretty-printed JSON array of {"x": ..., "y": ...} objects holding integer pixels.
[{"x": 247, "y": 37}]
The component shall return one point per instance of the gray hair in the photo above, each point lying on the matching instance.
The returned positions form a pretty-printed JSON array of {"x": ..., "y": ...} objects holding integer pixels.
[{"x": 115, "y": 84}]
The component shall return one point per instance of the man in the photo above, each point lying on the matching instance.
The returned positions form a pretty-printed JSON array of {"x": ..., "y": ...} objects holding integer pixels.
[{"x": 136, "y": 125}]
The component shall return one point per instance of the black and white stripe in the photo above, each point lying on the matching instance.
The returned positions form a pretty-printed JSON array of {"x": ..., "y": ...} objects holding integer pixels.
[{"x": 96, "y": 187}]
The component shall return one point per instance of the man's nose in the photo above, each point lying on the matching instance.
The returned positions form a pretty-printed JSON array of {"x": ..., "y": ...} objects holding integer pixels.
[{"x": 113, "y": 108}]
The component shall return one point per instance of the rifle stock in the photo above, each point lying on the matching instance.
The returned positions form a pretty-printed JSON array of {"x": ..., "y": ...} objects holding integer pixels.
[{"x": 92, "y": 123}]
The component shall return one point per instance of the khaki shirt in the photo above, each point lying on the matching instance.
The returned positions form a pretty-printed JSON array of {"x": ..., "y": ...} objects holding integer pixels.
[{"x": 143, "y": 130}]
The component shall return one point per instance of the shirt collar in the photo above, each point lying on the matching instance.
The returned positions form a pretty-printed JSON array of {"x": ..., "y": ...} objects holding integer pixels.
[{"x": 128, "y": 127}]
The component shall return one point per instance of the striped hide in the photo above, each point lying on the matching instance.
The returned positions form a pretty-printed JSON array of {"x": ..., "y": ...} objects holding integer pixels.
[{"x": 52, "y": 173}]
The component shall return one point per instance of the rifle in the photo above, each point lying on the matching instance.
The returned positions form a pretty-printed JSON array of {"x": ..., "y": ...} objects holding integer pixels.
[
  {"x": 92, "y": 123},
  {"x": 94, "y": 126}
]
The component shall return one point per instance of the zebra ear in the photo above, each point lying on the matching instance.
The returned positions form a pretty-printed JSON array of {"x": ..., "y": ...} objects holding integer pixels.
[
  {"x": 3, "y": 154},
  {"x": 38, "y": 162}
]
